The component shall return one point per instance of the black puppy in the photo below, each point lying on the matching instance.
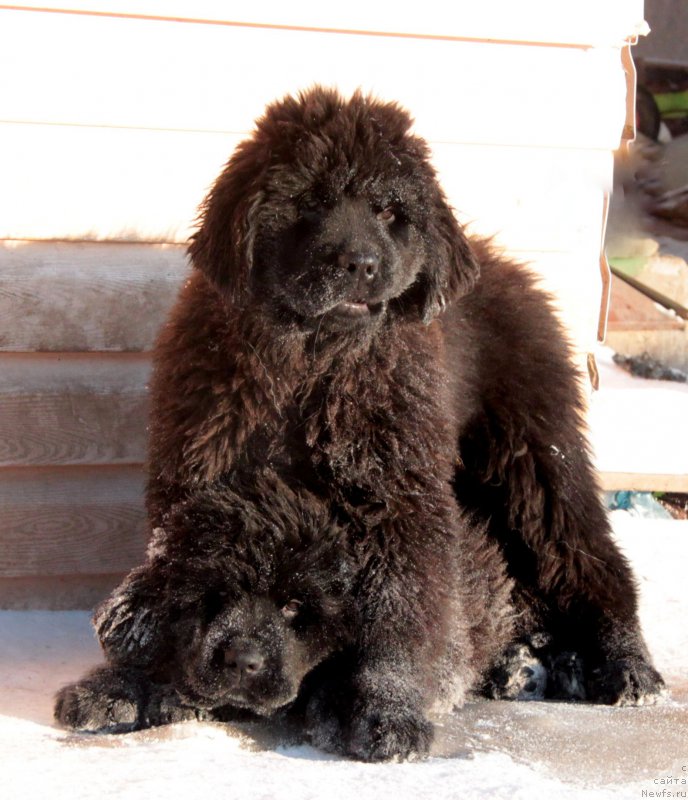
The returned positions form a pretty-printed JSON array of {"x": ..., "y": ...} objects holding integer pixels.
[
  {"x": 248, "y": 601},
  {"x": 239, "y": 600}
]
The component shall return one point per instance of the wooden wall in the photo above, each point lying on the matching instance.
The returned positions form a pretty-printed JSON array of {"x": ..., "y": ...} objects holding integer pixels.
[
  {"x": 115, "y": 120},
  {"x": 77, "y": 323}
]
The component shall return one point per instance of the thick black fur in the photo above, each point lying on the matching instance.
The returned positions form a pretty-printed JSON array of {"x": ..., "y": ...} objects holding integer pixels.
[
  {"x": 341, "y": 328},
  {"x": 247, "y": 603},
  {"x": 235, "y": 616}
]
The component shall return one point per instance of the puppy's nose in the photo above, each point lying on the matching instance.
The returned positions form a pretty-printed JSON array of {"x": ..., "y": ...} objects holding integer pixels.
[
  {"x": 244, "y": 660},
  {"x": 360, "y": 263}
]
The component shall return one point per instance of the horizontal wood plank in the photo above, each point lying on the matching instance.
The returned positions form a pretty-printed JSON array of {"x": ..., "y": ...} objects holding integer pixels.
[
  {"x": 530, "y": 199},
  {"x": 71, "y": 521},
  {"x": 76, "y": 297},
  {"x": 546, "y": 199},
  {"x": 81, "y": 296},
  {"x": 56, "y": 592},
  {"x": 90, "y": 521},
  {"x": 584, "y": 23},
  {"x": 68, "y": 409},
  {"x": 195, "y": 77},
  {"x": 643, "y": 482}
]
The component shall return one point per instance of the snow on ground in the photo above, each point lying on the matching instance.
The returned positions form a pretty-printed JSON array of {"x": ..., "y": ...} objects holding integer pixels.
[{"x": 488, "y": 750}]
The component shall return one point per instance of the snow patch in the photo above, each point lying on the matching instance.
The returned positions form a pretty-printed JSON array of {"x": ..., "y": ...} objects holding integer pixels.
[{"x": 489, "y": 749}]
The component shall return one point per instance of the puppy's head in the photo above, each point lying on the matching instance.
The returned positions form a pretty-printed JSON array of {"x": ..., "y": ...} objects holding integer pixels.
[
  {"x": 243, "y": 595},
  {"x": 331, "y": 214},
  {"x": 253, "y": 650}
]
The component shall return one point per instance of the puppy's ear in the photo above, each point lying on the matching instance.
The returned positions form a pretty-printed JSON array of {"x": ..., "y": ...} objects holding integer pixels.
[
  {"x": 222, "y": 247},
  {"x": 130, "y": 624},
  {"x": 451, "y": 268}
]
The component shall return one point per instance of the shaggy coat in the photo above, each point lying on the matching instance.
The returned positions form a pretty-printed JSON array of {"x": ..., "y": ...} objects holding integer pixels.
[
  {"x": 257, "y": 612},
  {"x": 341, "y": 329}
]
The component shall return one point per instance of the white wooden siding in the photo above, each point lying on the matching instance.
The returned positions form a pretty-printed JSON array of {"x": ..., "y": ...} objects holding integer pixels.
[
  {"x": 76, "y": 297},
  {"x": 585, "y": 22},
  {"x": 163, "y": 75},
  {"x": 150, "y": 184}
]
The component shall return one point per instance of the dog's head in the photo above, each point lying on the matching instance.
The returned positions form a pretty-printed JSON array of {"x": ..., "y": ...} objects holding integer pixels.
[
  {"x": 331, "y": 214},
  {"x": 242, "y": 597},
  {"x": 262, "y": 622}
]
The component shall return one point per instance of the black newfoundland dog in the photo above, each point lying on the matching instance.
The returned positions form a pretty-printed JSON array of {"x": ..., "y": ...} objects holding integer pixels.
[{"x": 413, "y": 389}]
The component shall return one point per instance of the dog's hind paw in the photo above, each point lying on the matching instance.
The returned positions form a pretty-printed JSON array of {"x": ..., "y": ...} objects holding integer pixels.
[{"x": 626, "y": 682}]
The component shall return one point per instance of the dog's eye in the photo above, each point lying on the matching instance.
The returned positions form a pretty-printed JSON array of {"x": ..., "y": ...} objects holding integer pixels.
[
  {"x": 387, "y": 214},
  {"x": 213, "y": 603},
  {"x": 310, "y": 209},
  {"x": 291, "y": 609}
]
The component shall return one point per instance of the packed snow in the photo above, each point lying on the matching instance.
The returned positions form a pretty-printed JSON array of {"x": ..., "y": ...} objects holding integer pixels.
[{"x": 647, "y": 434}]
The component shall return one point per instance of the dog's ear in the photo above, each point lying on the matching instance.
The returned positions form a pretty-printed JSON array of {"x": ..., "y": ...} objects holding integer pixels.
[
  {"x": 451, "y": 267},
  {"x": 222, "y": 247},
  {"x": 130, "y": 624}
]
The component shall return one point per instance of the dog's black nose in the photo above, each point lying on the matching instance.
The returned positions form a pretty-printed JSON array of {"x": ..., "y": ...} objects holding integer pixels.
[
  {"x": 244, "y": 660},
  {"x": 360, "y": 263}
]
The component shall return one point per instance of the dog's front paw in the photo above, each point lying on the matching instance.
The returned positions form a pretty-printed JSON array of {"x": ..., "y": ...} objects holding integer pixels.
[
  {"x": 383, "y": 734},
  {"x": 565, "y": 677},
  {"x": 100, "y": 702},
  {"x": 128, "y": 623},
  {"x": 625, "y": 682},
  {"x": 323, "y": 719}
]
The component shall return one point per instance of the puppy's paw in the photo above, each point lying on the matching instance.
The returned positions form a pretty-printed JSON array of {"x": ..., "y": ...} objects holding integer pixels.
[
  {"x": 118, "y": 700},
  {"x": 163, "y": 707},
  {"x": 566, "y": 681},
  {"x": 94, "y": 705},
  {"x": 383, "y": 734},
  {"x": 626, "y": 682},
  {"x": 128, "y": 624},
  {"x": 326, "y": 713}
]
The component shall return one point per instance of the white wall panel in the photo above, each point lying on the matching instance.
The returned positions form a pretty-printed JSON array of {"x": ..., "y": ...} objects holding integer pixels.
[
  {"x": 529, "y": 198},
  {"x": 104, "y": 71},
  {"x": 584, "y": 22},
  {"x": 99, "y": 183}
]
